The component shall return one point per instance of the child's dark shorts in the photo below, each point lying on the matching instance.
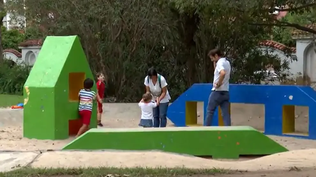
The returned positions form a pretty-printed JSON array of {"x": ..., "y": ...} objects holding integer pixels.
[
  {"x": 85, "y": 116},
  {"x": 146, "y": 123}
]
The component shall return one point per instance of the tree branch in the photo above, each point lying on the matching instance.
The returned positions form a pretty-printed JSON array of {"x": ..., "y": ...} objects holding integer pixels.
[
  {"x": 286, "y": 24},
  {"x": 294, "y": 8}
]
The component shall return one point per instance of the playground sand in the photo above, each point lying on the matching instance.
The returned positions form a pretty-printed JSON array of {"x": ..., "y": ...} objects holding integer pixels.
[{"x": 127, "y": 115}]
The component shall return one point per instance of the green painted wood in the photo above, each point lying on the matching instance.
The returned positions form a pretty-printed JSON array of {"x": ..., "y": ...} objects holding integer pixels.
[
  {"x": 218, "y": 142},
  {"x": 48, "y": 109}
]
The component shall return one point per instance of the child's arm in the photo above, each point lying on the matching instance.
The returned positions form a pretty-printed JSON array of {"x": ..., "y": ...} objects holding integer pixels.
[
  {"x": 98, "y": 98},
  {"x": 98, "y": 88},
  {"x": 140, "y": 102},
  {"x": 154, "y": 104}
]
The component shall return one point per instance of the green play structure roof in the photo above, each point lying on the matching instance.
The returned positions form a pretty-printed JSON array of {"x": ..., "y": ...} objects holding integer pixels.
[{"x": 46, "y": 70}]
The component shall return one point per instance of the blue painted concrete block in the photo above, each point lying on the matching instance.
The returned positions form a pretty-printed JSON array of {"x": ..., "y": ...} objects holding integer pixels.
[{"x": 271, "y": 96}]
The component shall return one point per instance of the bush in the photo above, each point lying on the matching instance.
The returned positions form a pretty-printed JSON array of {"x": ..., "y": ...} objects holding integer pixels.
[
  {"x": 12, "y": 77},
  {"x": 11, "y": 38}
]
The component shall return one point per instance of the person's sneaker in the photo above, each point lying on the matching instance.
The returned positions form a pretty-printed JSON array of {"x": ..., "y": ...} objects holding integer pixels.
[{"x": 100, "y": 124}]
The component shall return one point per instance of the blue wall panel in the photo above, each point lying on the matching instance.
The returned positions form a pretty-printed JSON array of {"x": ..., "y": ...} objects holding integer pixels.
[{"x": 271, "y": 96}]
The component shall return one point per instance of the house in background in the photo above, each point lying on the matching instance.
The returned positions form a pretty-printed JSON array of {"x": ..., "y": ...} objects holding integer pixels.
[
  {"x": 13, "y": 23},
  {"x": 285, "y": 54},
  {"x": 30, "y": 50},
  {"x": 305, "y": 52}
]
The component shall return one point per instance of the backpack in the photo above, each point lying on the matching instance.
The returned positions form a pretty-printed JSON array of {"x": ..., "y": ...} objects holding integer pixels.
[{"x": 159, "y": 80}]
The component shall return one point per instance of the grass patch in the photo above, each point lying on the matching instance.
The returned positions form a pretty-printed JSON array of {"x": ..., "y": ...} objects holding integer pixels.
[
  {"x": 113, "y": 172},
  {"x": 9, "y": 100}
]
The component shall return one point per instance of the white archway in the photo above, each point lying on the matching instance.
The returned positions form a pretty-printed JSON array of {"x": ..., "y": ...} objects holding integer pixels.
[
  {"x": 310, "y": 63},
  {"x": 30, "y": 58}
]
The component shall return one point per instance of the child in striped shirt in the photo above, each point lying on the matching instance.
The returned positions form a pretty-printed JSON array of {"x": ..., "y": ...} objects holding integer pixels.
[{"x": 86, "y": 97}]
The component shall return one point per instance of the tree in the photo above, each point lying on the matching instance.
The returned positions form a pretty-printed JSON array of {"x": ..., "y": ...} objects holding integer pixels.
[
  {"x": 124, "y": 38},
  {"x": 304, "y": 8},
  {"x": 2, "y": 15},
  {"x": 283, "y": 34},
  {"x": 11, "y": 38}
]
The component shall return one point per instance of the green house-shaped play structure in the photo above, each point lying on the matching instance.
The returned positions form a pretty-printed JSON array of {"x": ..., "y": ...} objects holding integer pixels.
[{"x": 51, "y": 90}]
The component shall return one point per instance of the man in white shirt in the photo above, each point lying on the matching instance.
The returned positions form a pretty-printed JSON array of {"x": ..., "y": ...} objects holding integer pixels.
[{"x": 220, "y": 91}]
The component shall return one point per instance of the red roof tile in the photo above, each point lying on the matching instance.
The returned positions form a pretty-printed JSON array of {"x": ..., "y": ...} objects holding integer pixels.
[
  {"x": 299, "y": 33},
  {"x": 15, "y": 52},
  {"x": 32, "y": 42},
  {"x": 277, "y": 45}
]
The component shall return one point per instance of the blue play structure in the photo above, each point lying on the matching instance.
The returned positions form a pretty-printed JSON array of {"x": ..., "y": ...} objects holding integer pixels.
[{"x": 279, "y": 102}]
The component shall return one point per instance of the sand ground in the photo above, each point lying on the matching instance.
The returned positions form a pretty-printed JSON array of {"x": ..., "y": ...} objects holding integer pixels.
[{"x": 122, "y": 115}]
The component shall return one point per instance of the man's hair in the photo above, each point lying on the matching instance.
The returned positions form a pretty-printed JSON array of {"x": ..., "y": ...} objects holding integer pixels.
[
  {"x": 214, "y": 52},
  {"x": 99, "y": 74},
  {"x": 88, "y": 83},
  {"x": 147, "y": 97},
  {"x": 152, "y": 72}
]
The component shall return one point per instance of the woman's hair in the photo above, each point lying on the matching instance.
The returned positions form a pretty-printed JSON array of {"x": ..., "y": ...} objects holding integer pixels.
[
  {"x": 88, "y": 83},
  {"x": 152, "y": 72},
  {"x": 147, "y": 97},
  {"x": 214, "y": 52}
]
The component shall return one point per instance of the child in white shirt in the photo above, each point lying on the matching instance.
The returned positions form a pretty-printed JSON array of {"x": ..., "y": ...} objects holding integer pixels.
[{"x": 147, "y": 105}]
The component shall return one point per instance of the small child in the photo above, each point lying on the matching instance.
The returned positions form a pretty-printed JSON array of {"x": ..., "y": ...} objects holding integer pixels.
[
  {"x": 147, "y": 105},
  {"x": 100, "y": 88},
  {"x": 86, "y": 97}
]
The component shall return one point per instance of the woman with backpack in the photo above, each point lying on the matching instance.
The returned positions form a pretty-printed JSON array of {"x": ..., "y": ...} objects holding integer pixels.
[{"x": 156, "y": 84}]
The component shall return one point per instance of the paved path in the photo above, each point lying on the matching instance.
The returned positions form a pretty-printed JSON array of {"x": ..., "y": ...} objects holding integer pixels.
[{"x": 74, "y": 159}]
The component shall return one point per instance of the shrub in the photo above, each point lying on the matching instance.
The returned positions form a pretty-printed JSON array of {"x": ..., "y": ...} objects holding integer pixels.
[{"x": 12, "y": 77}]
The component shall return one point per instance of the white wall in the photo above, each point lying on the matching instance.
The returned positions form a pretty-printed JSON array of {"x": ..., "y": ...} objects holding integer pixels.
[
  {"x": 295, "y": 67},
  {"x": 29, "y": 54},
  {"x": 11, "y": 56},
  {"x": 10, "y": 23},
  {"x": 308, "y": 55}
]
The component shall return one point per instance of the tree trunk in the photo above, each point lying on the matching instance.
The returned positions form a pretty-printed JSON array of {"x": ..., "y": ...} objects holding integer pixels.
[
  {"x": 191, "y": 27},
  {"x": 190, "y": 24},
  {"x": 2, "y": 15},
  {"x": 1, "y": 49}
]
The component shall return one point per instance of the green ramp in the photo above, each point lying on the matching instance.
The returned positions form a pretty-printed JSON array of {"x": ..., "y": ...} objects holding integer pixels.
[{"x": 218, "y": 142}]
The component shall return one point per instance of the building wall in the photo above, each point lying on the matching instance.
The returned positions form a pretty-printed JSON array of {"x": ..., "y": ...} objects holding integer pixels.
[
  {"x": 308, "y": 56},
  {"x": 13, "y": 57},
  {"x": 10, "y": 23},
  {"x": 29, "y": 54},
  {"x": 296, "y": 68}
]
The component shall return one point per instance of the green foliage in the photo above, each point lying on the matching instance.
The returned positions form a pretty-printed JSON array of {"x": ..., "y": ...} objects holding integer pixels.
[
  {"x": 12, "y": 78},
  {"x": 11, "y": 38},
  {"x": 124, "y": 38},
  {"x": 33, "y": 32},
  {"x": 284, "y": 34}
]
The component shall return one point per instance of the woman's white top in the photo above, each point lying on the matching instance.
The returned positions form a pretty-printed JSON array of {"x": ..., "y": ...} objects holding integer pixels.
[{"x": 156, "y": 90}]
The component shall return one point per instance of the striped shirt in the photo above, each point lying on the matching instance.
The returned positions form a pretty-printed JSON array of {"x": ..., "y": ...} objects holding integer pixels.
[{"x": 86, "y": 98}]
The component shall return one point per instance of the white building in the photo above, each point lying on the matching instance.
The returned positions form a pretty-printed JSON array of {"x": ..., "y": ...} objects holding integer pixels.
[
  {"x": 12, "y": 23},
  {"x": 30, "y": 50}
]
